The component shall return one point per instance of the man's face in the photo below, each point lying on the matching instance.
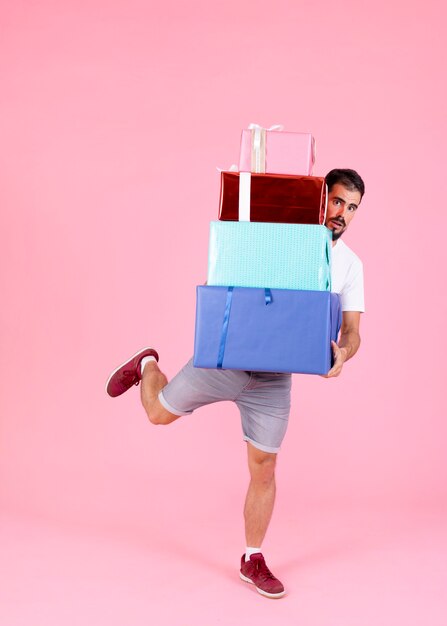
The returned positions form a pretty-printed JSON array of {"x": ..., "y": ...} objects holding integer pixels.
[{"x": 341, "y": 207}]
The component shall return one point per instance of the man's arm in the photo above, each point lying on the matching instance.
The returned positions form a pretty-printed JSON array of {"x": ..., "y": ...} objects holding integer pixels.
[{"x": 349, "y": 342}]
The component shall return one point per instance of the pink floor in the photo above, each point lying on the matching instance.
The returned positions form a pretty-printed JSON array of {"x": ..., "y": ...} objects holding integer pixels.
[
  {"x": 348, "y": 567},
  {"x": 113, "y": 118}
]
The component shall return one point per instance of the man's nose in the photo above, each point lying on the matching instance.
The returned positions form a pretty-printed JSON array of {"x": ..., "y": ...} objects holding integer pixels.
[{"x": 340, "y": 211}]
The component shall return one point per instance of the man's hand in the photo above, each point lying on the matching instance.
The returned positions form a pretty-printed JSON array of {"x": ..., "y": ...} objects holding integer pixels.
[
  {"x": 348, "y": 344},
  {"x": 339, "y": 358}
]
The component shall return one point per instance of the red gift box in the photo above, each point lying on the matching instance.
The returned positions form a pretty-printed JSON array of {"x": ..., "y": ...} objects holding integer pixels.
[{"x": 282, "y": 198}]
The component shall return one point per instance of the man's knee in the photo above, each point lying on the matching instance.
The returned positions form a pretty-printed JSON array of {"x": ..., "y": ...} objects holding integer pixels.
[
  {"x": 261, "y": 465},
  {"x": 158, "y": 415}
]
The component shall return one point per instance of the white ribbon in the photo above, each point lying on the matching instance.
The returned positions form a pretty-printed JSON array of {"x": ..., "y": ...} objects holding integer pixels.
[
  {"x": 232, "y": 168},
  {"x": 258, "y": 146},
  {"x": 258, "y": 127},
  {"x": 258, "y": 139},
  {"x": 244, "y": 196}
]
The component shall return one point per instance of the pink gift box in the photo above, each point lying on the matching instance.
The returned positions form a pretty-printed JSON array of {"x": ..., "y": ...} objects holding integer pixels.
[{"x": 276, "y": 152}]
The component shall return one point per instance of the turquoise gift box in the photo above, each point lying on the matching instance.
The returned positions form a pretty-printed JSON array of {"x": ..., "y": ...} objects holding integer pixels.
[{"x": 264, "y": 254}]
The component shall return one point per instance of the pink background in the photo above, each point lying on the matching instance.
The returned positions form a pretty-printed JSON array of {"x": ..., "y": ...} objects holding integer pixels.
[{"x": 113, "y": 118}]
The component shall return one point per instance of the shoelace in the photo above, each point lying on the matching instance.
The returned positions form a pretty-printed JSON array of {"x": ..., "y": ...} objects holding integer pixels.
[
  {"x": 132, "y": 373},
  {"x": 264, "y": 572}
]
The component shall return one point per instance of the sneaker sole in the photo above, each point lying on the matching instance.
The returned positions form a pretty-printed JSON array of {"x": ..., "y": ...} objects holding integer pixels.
[
  {"x": 263, "y": 593},
  {"x": 122, "y": 365}
]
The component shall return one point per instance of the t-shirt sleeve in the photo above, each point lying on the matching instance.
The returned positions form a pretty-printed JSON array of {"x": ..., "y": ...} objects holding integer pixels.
[{"x": 352, "y": 295}]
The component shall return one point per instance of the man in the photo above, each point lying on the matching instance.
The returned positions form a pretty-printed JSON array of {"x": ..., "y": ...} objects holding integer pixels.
[{"x": 262, "y": 398}]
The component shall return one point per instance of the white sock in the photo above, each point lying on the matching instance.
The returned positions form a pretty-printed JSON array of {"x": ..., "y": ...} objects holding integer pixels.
[
  {"x": 145, "y": 360},
  {"x": 249, "y": 551}
]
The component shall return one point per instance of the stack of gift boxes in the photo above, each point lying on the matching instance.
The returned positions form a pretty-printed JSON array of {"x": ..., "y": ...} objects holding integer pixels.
[{"x": 267, "y": 305}]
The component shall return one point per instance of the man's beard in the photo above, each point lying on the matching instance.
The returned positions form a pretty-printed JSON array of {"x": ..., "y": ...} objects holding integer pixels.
[{"x": 337, "y": 234}]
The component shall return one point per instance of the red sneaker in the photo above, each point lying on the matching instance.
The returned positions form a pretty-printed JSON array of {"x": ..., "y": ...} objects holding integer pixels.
[
  {"x": 127, "y": 374},
  {"x": 255, "y": 571}
]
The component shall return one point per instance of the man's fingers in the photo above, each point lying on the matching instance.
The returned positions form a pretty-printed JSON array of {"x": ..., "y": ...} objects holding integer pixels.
[
  {"x": 338, "y": 362},
  {"x": 336, "y": 352},
  {"x": 332, "y": 373},
  {"x": 335, "y": 348},
  {"x": 335, "y": 369}
]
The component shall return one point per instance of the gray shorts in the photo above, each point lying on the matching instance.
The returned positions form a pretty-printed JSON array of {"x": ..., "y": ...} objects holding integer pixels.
[{"x": 263, "y": 399}]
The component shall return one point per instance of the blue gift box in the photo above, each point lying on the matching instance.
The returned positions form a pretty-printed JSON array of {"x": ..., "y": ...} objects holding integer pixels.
[
  {"x": 264, "y": 254},
  {"x": 265, "y": 330}
]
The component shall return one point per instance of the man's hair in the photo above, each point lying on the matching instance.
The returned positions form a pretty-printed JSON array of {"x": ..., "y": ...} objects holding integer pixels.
[{"x": 348, "y": 178}]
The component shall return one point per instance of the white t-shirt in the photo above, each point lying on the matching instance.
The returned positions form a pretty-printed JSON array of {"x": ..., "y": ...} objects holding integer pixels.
[{"x": 347, "y": 277}]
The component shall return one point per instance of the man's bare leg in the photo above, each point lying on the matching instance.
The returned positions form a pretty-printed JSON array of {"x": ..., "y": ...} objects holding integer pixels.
[
  {"x": 261, "y": 491},
  {"x": 258, "y": 512},
  {"x": 152, "y": 382},
  {"x": 260, "y": 495}
]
